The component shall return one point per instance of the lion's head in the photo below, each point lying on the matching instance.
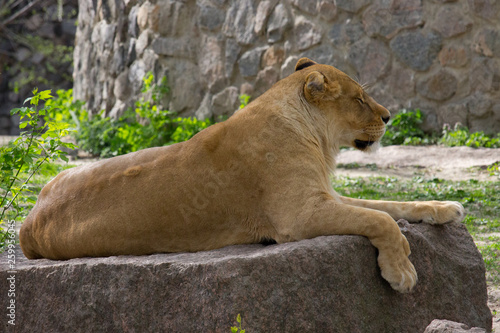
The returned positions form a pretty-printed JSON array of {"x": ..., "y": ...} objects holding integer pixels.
[{"x": 355, "y": 118}]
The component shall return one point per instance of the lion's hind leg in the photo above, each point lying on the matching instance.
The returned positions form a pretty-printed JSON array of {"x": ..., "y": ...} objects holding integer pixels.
[{"x": 432, "y": 212}]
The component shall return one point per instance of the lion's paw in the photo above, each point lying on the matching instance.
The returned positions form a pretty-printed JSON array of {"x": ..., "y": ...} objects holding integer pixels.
[
  {"x": 441, "y": 212},
  {"x": 397, "y": 269}
]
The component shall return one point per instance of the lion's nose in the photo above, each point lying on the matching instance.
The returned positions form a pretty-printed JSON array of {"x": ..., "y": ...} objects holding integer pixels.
[{"x": 386, "y": 119}]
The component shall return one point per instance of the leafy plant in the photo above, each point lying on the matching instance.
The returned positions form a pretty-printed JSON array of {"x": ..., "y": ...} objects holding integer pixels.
[
  {"x": 98, "y": 135},
  {"x": 405, "y": 129},
  {"x": 146, "y": 125},
  {"x": 236, "y": 329},
  {"x": 188, "y": 127},
  {"x": 244, "y": 100},
  {"x": 460, "y": 136},
  {"x": 38, "y": 143},
  {"x": 157, "y": 90},
  {"x": 65, "y": 109},
  {"x": 494, "y": 169}
]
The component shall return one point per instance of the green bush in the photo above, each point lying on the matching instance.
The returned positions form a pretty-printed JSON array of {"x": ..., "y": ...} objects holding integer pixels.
[
  {"x": 64, "y": 109},
  {"x": 39, "y": 142},
  {"x": 146, "y": 125},
  {"x": 107, "y": 137},
  {"x": 460, "y": 136},
  {"x": 405, "y": 129}
]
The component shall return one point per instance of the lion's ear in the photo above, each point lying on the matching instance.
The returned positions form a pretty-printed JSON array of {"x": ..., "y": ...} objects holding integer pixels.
[
  {"x": 304, "y": 63},
  {"x": 315, "y": 83},
  {"x": 317, "y": 87}
]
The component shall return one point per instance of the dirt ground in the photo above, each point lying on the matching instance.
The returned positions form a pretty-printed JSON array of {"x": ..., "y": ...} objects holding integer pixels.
[{"x": 456, "y": 163}]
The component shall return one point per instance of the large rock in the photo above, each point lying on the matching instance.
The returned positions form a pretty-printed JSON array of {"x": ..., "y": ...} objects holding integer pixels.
[
  {"x": 263, "y": 11},
  {"x": 249, "y": 62},
  {"x": 352, "y": 6},
  {"x": 417, "y": 50},
  {"x": 439, "y": 86},
  {"x": 278, "y": 23},
  {"x": 446, "y": 326},
  {"x": 211, "y": 18},
  {"x": 388, "y": 17},
  {"x": 308, "y": 6},
  {"x": 451, "y": 22},
  {"x": 306, "y": 33},
  {"x": 370, "y": 58},
  {"x": 240, "y": 22},
  {"x": 324, "y": 284},
  {"x": 485, "y": 8},
  {"x": 486, "y": 42}
]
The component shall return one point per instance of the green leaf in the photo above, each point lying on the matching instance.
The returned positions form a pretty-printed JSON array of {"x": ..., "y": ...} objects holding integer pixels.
[
  {"x": 234, "y": 329},
  {"x": 28, "y": 160},
  {"x": 34, "y": 100},
  {"x": 14, "y": 111},
  {"x": 238, "y": 318},
  {"x": 23, "y": 124},
  {"x": 31, "y": 200},
  {"x": 45, "y": 94},
  {"x": 68, "y": 145}
]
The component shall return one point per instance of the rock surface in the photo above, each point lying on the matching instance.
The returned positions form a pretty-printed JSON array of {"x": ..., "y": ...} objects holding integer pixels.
[
  {"x": 447, "y": 326},
  {"x": 322, "y": 284}
]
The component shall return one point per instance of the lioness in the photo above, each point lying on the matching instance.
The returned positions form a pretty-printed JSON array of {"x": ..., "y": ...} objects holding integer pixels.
[{"x": 261, "y": 175}]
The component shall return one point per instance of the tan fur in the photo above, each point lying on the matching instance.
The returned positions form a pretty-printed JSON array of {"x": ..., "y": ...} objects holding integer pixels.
[{"x": 262, "y": 174}]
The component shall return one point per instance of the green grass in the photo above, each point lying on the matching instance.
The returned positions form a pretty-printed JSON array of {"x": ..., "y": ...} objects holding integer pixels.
[
  {"x": 481, "y": 199},
  {"x": 489, "y": 246}
]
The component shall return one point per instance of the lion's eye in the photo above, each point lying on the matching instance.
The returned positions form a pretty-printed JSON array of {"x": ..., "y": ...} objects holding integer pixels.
[{"x": 360, "y": 101}]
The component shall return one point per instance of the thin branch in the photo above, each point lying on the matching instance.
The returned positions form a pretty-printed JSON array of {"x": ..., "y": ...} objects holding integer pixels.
[
  {"x": 31, "y": 175},
  {"x": 20, "y": 12}
]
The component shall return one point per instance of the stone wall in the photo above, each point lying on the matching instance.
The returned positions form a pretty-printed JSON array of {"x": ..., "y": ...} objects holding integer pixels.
[
  {"x": 442, "y": 56},
  {"x": 36, "y": 47}
]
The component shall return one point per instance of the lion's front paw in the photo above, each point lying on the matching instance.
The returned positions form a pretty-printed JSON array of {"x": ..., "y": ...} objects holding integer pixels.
[
  {"x": 440, "y": 212},
  {"x": 397, "y": 269}
]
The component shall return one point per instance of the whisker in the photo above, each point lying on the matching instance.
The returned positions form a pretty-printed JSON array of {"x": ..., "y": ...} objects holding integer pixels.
[{"x": 367, "y": 85}]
